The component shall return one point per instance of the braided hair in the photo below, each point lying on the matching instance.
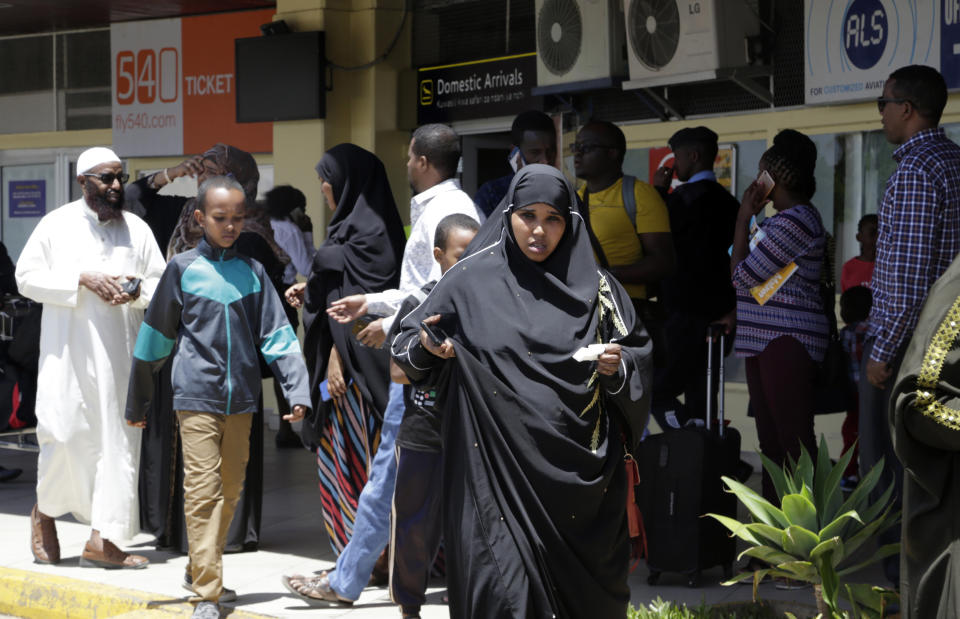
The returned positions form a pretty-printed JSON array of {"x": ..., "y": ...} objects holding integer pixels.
[{"x": 791, "y": 162}]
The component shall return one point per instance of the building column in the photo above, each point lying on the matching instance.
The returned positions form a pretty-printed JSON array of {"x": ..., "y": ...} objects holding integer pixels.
[{"x": 362, "y": 106}]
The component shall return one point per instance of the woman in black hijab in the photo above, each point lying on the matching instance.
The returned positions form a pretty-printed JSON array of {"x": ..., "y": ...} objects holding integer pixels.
[
  {"x": 533, "y": 482},
  {"x": 361, "y": 254}
]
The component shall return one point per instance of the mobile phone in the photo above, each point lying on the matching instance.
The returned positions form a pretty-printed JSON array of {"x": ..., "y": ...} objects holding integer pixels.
[
  {"x": 766, "y": 183},
  {"x": 361, "y": 323},
  {"x": 130, "y": 286},
  {"x": 436, "y": 334},
  {"x": 324, "y": 390}
]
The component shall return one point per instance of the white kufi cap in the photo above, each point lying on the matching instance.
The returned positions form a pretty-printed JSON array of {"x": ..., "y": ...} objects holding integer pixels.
[{"x": 92, "y": 157}]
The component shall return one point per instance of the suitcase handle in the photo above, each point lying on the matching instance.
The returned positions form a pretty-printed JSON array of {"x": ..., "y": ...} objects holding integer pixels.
[{"x": 712, "y": 331}]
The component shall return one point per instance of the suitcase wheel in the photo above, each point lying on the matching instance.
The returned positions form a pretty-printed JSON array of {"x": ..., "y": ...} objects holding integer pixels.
[
  {"x": 693, "y": 579},
  {"x": 653, "y": 578}
]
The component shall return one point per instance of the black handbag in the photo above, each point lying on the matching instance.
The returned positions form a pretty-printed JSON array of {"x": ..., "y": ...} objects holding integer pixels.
[{"x": 834, "y": 391}]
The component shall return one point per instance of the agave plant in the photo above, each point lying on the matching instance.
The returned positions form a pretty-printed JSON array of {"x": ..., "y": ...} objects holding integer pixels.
[{"x": 813, "y": 535}]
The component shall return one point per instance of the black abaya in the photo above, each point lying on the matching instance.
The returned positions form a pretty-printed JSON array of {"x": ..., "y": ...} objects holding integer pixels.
[
  {"x": 361, "y": 254},
  {"x": 925, "y": 420},
  {"x": 533, "y": 484}
]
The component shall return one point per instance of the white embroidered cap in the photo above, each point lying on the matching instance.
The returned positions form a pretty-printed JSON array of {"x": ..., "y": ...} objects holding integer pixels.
[{"x": 92, "y": 157}]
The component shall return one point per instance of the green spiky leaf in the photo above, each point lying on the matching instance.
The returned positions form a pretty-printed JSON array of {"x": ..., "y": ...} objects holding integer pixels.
[
  {"x": 804, "y": 469},
  {"x": 839, "y": 524},
  {"x": 771, "y": 535},
  {"x": 824, "y": 468},
  {"x": 800, "y": 570},
  {"x": 831, "y": 545},
  {"x": 759, "y": 507},
  {"x": 736, "y": 528},
  {"x": 887, "y": 550},
  {"x": 777, "y": 476},
  {"x": 801, "y": 511},
  {"x": 860, "y": 496},
  {"x": 833, "y": 498},
  {"x": 870, "y": 529},
  {"x": 799, "y": 541},
  {"x": 773, "y": 556}
]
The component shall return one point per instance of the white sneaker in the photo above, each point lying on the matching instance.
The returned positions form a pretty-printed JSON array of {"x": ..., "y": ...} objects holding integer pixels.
[
  {"x": 226, "y": 595},
  {"x": 206, "y": 610}
]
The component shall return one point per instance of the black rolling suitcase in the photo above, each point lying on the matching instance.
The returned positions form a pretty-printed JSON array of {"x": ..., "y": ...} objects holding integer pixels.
[{"x": 680, "y": 474}]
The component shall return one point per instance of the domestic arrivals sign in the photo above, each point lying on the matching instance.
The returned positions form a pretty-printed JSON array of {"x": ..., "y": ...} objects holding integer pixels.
[
  {"x": 174, "y": 86},
  {"x": 853, "y": 46},
  {"x": 477, "y": 89}
]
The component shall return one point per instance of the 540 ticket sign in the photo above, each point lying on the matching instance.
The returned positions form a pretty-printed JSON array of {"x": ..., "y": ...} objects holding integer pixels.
[{"x": 174, "y": 85}]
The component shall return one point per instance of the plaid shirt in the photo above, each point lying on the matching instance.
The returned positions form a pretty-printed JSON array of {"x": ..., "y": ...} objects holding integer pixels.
[{"x": 918, "y": 236}]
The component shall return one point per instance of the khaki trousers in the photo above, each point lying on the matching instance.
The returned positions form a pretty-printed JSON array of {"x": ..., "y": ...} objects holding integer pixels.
[{"x": 215, "y": 452}]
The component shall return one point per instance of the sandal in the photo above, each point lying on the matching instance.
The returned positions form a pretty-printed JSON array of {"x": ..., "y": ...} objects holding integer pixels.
[{"x": 315, "y": 590}]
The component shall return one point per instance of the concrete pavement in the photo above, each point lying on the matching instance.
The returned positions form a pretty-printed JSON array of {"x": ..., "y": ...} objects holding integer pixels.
[{"x": 292, "y": 540}]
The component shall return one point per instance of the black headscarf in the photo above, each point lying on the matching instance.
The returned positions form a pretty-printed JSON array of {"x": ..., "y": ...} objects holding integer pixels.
[
  {"x": 362, "y": 253},
  {"x": 534, "y": 489}
]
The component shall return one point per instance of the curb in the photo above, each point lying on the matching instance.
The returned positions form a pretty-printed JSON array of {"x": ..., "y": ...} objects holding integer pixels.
[{"x": 33, "y": 595}]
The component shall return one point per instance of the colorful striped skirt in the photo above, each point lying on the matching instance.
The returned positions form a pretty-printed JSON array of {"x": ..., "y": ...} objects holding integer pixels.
[{"x": 343, "y": 461}]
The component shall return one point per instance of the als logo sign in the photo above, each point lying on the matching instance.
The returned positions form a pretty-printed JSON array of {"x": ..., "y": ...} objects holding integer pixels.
[
  {"x": 852, "y": 46},
  {"x": 865, "y": 31}
]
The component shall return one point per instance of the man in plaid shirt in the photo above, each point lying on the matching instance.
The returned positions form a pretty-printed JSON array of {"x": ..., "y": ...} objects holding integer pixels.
[{"x": 919, "y": 236}]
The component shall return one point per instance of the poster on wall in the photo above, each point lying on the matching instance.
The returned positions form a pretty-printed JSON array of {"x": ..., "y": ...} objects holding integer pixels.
[
  {"x": 724, "y": 166},
  {"x": 173, "y": 85},
  {"x": 27, "y": 198},
  {"x": 852, "y": 47}
]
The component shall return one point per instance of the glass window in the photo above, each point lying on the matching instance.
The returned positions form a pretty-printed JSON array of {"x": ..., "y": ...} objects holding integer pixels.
[
  {"x": 77, "y": 64},
  {"x": 33, "y": 68}
]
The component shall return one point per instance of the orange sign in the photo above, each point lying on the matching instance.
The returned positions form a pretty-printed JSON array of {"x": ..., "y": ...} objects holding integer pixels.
[
  {"x": 209, "y": 93},
  {"x": 174, "y": 85}
]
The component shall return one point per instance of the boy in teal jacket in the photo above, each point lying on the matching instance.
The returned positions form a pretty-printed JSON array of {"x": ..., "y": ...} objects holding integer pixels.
[{"x": 220, "y": 310}]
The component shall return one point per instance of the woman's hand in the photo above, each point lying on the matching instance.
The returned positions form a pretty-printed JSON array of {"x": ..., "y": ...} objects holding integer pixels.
[
  {"x": 294, "y": 294},
  {"x": 335, "y": 383},
  {"x": 192, "y": 166},
  {"x": 296, "y": 414},
  {"x": 444, "y": 350},
  {"x": 373, "y": 334},
  {"x": 608, "y": 363},
  {"x": 753, "y": 201},
  {"x": 348, "y": 308}
]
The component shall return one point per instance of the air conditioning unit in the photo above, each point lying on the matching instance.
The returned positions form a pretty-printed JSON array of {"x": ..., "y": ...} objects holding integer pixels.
[
  {"x": 675, "y": 41},
  {"x": 579, "y": 43}
]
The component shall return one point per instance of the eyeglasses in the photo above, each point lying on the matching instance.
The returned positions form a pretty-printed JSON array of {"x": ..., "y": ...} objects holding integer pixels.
[
  {"x": 882, "y": 102},
  {"x": 107, "y": 178},
  {"x": 586, "y": 147}
]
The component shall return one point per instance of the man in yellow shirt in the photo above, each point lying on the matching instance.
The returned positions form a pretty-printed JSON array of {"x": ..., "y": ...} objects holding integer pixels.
[{"x": 639, "y": 252}]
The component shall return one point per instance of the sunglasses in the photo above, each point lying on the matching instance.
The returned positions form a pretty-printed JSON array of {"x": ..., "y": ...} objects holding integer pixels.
[
  {"x": 882, "y": 102},
  {"x": 107, "y": 178}
]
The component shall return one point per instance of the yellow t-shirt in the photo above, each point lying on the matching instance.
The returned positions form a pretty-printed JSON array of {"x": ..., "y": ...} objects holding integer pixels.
[{"x": 613, "y": 228}]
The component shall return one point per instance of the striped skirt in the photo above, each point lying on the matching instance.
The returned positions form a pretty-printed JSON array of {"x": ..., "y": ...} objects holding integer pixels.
[{"x": 343, "y": 461}]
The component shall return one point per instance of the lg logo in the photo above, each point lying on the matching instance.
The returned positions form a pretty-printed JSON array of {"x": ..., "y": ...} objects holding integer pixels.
[{"x": 865, "y": 32}]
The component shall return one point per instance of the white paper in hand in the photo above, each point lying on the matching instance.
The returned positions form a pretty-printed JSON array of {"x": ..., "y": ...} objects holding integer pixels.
[{"x": 590, "y": 353}]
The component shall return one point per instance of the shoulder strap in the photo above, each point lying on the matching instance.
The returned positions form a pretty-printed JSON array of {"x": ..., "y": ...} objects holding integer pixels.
[{"x": 630, "y": 198}]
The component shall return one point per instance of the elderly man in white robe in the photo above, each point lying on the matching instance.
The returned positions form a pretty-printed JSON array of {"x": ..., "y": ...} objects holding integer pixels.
[{"x": 94, "y": 267}]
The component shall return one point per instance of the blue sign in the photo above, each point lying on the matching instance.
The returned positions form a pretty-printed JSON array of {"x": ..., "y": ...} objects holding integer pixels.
[
  {"x": 950, "y": 43},
  {"x": 27, "y": 198},
  {"x": 865, "y": 32}
]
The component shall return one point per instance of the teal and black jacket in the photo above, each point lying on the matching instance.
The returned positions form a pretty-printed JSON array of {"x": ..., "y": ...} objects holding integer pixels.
[{"x": 219, "y": 310}]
